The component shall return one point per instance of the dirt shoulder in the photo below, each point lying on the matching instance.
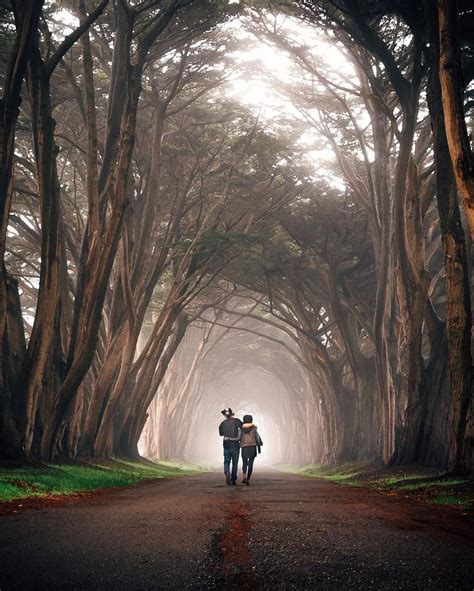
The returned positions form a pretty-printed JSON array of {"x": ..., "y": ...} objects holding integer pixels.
[
  {"x": 431, "y": 486},
  {"x": 37, "y": 485}
]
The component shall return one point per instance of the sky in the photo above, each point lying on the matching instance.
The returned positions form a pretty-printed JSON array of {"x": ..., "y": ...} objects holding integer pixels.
[{"x": 271, "y": 67}]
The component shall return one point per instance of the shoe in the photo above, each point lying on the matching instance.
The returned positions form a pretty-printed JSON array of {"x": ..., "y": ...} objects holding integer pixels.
[
  {"x": 247, "y": 482},
  {"x": 234, "y": 482},
  {"x": 227, "y": 478},
  {"x": 244, "y": 480}
]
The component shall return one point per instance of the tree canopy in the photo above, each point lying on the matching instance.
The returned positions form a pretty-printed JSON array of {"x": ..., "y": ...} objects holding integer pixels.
[{"x": 193, "y": 189}]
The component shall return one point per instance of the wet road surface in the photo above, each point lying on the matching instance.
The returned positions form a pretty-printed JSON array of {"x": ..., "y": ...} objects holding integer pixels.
[{"x": 282, "y": 532}]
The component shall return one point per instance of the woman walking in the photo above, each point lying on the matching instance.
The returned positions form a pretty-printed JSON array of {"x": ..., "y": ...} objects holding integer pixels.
[{"x": 250, "y": 441}]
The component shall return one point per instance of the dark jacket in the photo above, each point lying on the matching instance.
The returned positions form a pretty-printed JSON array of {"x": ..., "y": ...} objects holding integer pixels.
[{"x": 229, "y": 429}]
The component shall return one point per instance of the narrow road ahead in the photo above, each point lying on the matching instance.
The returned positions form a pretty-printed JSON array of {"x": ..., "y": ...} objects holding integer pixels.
[{"x": 282, "y": 532}]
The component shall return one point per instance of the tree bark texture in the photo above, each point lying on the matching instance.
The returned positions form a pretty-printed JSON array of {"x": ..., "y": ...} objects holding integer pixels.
[
  {"x": 452, "y": 86},
  {"x": 459, "y": 315},
  {"x": 12, "y": 346}
]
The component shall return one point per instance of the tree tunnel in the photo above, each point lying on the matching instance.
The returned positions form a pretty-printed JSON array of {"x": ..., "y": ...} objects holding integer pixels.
[
  {"x": 294, "y": 361},
  {"x": 223, "y": 204},
  {"x": 241, "y": 370}
]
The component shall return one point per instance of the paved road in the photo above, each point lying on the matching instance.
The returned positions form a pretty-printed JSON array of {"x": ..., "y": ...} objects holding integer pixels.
[{"x": 282, "y": 532}]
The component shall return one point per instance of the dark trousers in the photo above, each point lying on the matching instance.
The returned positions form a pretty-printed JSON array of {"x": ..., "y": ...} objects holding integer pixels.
[
  {"x": 231, "y": 454},
  {"x": 247, "y": 467}
]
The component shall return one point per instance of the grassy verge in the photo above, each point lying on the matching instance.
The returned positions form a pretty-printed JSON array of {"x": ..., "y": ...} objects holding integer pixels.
[
  {"x": 66, "y": 479},
  {"x": 431, "y": 485}
]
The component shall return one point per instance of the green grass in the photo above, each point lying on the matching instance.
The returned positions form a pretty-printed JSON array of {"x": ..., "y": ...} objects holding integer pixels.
[
  {"x": 67, "y": 479},
  {"x": 403, "y": 483},
  {"x": 430, "y": 484},
  {"x": 456, "y": 500},
  {"x": 346, "y": 474}
]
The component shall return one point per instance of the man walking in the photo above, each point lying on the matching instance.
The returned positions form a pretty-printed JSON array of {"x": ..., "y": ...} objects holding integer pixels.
[{"x": 229, "y": 430}]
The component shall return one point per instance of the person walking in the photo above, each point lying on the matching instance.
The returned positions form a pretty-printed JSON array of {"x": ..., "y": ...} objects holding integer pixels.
[
  {"x": 229, "y": 430},
  {"x": 250, "y": 442}
]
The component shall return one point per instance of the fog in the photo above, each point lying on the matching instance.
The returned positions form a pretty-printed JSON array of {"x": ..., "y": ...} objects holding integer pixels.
[
  {"x": 247, "y": 392},
  {"x": 242, "y": 371}
]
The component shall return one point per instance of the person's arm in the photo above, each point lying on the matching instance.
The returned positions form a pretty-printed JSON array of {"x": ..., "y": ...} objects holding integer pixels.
[
  {"x": 259, "y": 441},
  {"x": 238, "y": 423},
  {"x": 220, "y": 430}
]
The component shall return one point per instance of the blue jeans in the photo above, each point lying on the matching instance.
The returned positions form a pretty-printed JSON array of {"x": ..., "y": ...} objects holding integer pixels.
[{"x": 231, "y": 454}]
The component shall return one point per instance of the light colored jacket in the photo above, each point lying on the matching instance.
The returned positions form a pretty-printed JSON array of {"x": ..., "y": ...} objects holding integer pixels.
[{"x": 249, "y": 435}]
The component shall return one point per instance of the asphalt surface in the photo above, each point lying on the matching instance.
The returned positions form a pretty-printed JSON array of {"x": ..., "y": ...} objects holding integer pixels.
[{"x": 282, "y": 532}]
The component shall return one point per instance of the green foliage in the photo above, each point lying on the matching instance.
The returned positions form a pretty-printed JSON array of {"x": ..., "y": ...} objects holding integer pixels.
[
  {"x": 416, "y": 481},
  {"x": 58, "y": 479},
  {"x": 345, "y": 474},
  {"x": 215, "y": 241},
  {"x": 453, "y": 500},
  {"x": 413, "y": 481}
]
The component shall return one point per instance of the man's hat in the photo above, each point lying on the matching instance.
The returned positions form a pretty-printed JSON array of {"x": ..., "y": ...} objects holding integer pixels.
[{"x": 227, "y": 412}]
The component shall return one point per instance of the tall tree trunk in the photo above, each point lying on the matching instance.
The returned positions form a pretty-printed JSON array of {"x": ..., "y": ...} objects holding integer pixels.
[
  {"x": 364, "y": 444},
  {"x": 450, "y": 75},
  {"x": 384, "y": 322},
  {"x": 336, "y": 404},
  {"x": 40, "y": 353},
  {"x": 12, "y": 351},
  {"x": 412, "y": 293},
  {"x": 99, "y": 247},
  {"x": 130, "y": 421},
  {"x": 459, "y": 316}
]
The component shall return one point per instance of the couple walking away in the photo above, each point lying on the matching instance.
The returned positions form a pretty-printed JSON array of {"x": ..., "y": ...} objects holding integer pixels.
[{"x": 238, "y": 436}]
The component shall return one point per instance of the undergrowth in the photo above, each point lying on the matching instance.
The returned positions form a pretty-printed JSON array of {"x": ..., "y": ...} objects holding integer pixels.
[
  {"x": 67, "y": 479},
  {"x": 457, "y": 500},
  {"x": 433, "y": 485},
  {"x": 346, "y": 474}
]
